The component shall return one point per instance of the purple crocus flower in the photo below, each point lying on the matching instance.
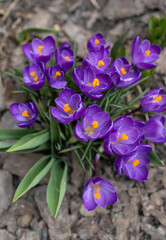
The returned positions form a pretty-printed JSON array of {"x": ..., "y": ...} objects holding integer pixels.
[
  {"x": 64, "y": 56},
  {"x": 154, "y": 101},
  {"x": 34, "y": 75},
  {"x": 121, "y": 74},
  {"x": 25, "y": 114},
  {"x": 94, "y": 124},
  {"x": 98, "y": 191},
  {"x": 90, "y": 83},
  {"x": 134, "y": 165},
  {"x": 40, "y": 51},
  {"x": 154, "y": 130},
  {"x": 123, "y": 138},
  {"x": 144, "y": 54},
  {"x": 69, "y": 107},
  {"x": 98, "y": 60},
  {"x": 95, "y": 43},
  {"x": 55, "y": 77}
]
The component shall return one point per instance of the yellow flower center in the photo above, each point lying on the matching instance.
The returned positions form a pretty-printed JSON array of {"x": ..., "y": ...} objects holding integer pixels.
[
  {"x": 67, "y": 58},
  {"x": 97, "y": 189},
  {"x": 135, "y": 162},
  {"x": 123, "y": 137},
  {"x": 91, "y": 129},
  {"x": 33, "y": 75},
  {"x": 100, "y": 63},
  {"x": 157, "y": 98},
  {"x": 57, "y": 74},
  {"x": 122, "y": 71},
  {"x": 25, "y": 114},
  {"x": 97, "y": 41},
  {"x": 40, "y": 49},
  {"x": 147, "y": 52},
  {"x": 68, "y": 109},
  {"x": 95, "y": 82}
]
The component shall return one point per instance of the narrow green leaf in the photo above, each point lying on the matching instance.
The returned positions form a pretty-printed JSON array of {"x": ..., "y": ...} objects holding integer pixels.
[
  {"x": 14, "y": 134},
  {"x": 57, "y": 186},
  {"x": 155, "y": 159},
  {"x": 5, "y": 144},
  {"x": 31, "y": 141},
  {"x": 33, "y": 177}
]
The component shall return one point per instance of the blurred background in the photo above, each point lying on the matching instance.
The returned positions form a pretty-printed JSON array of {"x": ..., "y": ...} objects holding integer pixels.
[{"x": 140, "y": 212}]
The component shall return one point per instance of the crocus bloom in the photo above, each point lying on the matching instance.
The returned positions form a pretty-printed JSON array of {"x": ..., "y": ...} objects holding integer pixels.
[
  {"x": 25, "y": 114},
  {"x": 34, "y": 75},
  {"x": 154, "y": 101},
  {"x": 69, "y": 107},
  {"x": 90, "y": 83},
  {"x": 55, "y": 77},
  {"x": 154, "y": 130},
  {"x": 144, "y": 55},
  {"x": 123, "y": 138},
  {"x": 64, "y": 57},
  {"x": 98, "y": 60},
  {"x": 98, "y": 191},
  {"x": 40, "y": 51},
  {"x": 121, "y": 74},
  {"x": 94, "y": 124},
  {"x": 134, "y": 165},
  {"x": 95, "y": 42}
]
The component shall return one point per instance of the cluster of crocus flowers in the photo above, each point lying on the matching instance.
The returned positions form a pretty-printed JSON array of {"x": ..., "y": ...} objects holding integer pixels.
[{"x": 125, "y": 137}]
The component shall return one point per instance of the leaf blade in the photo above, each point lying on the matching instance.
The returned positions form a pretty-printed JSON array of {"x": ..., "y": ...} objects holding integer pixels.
[{"x": 155, "y": 159}]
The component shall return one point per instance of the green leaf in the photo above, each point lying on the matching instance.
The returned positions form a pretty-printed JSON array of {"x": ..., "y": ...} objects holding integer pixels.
[
  {"x": 55, "y": 134},
  {"x": 33, "y": 177},
  {"x": 155, "y": 159},
  {"x": 5, "y": 144},
  {"x": 12, "y": 134},
  {"x": 30, "y": 141},
  {"x": 21, "y": 36},
  {"x": 57, "y": 186}
]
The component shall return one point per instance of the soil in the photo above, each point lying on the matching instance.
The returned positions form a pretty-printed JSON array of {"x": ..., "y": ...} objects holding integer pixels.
[{"x": 140, "y": 212}]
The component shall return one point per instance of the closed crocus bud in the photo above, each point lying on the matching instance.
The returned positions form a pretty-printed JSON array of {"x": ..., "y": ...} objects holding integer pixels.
[
  {"x": 25, "y": 114},
  {"x": 144, "y": 54},
  {"x": 90, "y": 83},
  {"x": 154, "y": 101},
  {"x": 121, "y": 73},
  {"x": 64, "y": 57},
  {"x": 154, "y": 129},
  {"x": 55, "y": 77},
  {"x": 98, "y": 192},
  {"x": 134, "y": 165},
  {"x": 123, "y": 138},
  {"x": 69, "y": 107},
  {"x": 40, "y": 51},
  {"x": 34, "y": 75},
  {"x": 94, "y": 124}
]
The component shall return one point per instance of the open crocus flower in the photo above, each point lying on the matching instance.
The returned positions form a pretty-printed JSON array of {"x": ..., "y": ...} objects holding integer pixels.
[
  {"x": 154, "y": 130},
  {"x": 55, "y": 77},
  {"x": 123, "y": 138},
  {"x": 94, "y": 124},
  {"x": 121, "y": 74},
  {"x": 64, "y": 57},
  {"x": 98, "y": 192},
  {"x": 40, "y": 51},
  {"x": 90, "y": 83},
  {"x": 69, "y": 107},
  {"x": 134, "y": 165},
  {"x": 34, "y": 75},
  {"x": 25, "y": 114},
  {"x": 144, "y": 55},
  {"x": 154, "y": 101},
  {"x": 95, "y": 43},
  {"x": 98, "y": 60}
]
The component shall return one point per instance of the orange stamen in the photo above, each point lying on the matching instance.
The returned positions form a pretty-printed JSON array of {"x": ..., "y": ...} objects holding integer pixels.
[
  {"x": 135, "y": 162},
  {"x": 32, "y": 74},
  {"x": 147, "y": 52},
  {"x": 67, "y": 58},
  {"x": 91, "y": 129},
  {"x": 100, "y": 63},
  {"x": 97, "y": 41},
  {"x": 157, "y": 98},
  {"x": 57, "y": 74},
  {"x": 122, "y": 71},
  {"x": 25, "y": 114},
  {"x": 40, "y": 49},
  {"x": 67, "y": 109},
  {"x": 95, "y": 82},
  {"x": 97, "y": 189},
  {"x": 123, "y": 137}
]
